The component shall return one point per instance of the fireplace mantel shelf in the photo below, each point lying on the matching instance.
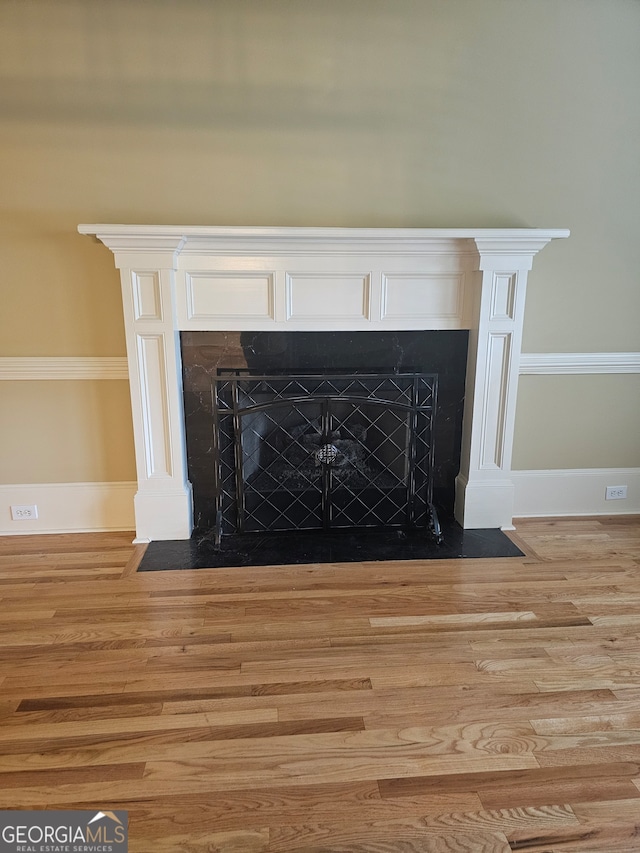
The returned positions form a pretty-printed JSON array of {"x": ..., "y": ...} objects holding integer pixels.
[
  {"x": 217, "y": 278},
  {"x": 257, "y": 238}
]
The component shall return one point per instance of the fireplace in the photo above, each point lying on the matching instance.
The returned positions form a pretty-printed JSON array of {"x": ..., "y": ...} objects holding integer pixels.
[{"x": 287, "y": 280}]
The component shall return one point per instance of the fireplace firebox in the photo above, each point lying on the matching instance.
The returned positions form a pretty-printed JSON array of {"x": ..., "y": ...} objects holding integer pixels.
[
  {"x": 323, "y": 451},
  {"x": 323, "y": 434}
]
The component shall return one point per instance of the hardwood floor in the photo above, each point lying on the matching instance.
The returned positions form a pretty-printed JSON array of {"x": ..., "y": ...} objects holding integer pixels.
[{"x": 468, "y": 705}]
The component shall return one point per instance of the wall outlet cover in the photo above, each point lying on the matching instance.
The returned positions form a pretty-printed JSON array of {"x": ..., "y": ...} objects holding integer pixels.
[
  {"x": 24, "y": 512},
  {"x": 616, "y": 493}
]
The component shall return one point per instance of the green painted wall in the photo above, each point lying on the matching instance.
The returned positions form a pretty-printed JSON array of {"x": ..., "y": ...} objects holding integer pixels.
[{"x": 291, "y": 112}]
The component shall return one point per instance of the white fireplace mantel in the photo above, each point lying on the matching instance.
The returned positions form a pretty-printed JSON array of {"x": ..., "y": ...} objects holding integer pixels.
[{"x": 234, "y": 278}]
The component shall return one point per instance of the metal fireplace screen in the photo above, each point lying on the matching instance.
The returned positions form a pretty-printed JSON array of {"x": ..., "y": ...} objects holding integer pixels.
[{"x": 304, "y": 452}]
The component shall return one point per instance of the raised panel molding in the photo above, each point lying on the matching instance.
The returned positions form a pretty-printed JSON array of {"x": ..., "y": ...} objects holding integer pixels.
[
  {"x": 410, "y": 295},
  {"x": 71, "y": 367},
  {"x": 230, "y": 295},
  {"x": 147, "y": 302},
  {"x": 496, "y": 387},
  {"x": 328, "y": 296},
  {"x": 503, "y": 296},
  {"x": 153, "y": 379}
]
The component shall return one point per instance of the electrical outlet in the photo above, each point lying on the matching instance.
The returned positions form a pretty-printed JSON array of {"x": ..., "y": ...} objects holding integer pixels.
[
  {"x": 616, "y": 493},
  {"x": 24, "y": 512}
]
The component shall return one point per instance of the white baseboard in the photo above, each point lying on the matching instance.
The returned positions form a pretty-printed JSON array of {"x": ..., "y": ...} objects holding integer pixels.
[
  {"x": 96, "y": 507},
  {"x": 574, "y": 492},
  {"x": 68, "y": 507}
]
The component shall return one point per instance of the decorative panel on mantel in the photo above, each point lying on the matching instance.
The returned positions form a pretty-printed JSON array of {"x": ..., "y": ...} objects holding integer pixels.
[
  {"x": 324, "y": 290},
  {"x": 238, "y": 296}
]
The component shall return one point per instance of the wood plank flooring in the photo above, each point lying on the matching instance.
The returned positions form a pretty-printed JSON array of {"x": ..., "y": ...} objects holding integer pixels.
[{"x": 401, "y": 707}]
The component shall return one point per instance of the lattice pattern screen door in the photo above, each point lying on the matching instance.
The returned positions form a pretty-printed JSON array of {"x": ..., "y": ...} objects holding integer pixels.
[{"x": 334, "y": 451}]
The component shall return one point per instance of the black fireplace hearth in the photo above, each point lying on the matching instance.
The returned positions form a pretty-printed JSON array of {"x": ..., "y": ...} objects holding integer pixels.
[{"x": 310, "y": 547}]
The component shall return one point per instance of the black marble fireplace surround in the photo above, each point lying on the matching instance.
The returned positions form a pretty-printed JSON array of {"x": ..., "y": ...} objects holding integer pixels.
[{"x": 204, "y": 353}]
